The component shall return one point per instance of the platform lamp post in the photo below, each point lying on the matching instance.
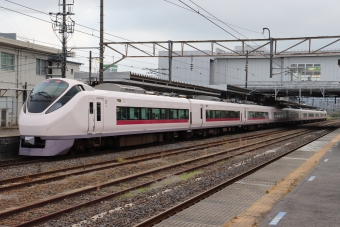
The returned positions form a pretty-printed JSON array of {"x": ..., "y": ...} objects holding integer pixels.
[{"x": 271, "y": 52}]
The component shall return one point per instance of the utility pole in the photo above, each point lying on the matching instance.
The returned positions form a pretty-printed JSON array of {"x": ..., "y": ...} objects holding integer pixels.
[
  {"x": 90, "y": 68},
  {"x": 63, "y": 64},
  {"x": 63, "y": 27},
  {"x": 246, "y": 69},
  {"x": 101, "y": 44}
]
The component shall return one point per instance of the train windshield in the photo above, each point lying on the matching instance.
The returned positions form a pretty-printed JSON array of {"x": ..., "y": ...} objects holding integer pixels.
[{"x": 44, "y": 94}]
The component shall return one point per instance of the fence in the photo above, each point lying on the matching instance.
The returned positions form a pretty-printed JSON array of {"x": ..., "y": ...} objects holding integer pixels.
[{"x": 9, "y": 112}]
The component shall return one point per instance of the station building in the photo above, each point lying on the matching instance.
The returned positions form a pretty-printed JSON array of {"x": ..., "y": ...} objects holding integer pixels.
[
  {"x": 23, "y": 65},
  {"x": 292, "y": 67}
]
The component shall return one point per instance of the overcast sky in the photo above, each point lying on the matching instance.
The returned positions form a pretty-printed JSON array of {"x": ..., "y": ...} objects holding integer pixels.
[{"x": 155, "y": 20}]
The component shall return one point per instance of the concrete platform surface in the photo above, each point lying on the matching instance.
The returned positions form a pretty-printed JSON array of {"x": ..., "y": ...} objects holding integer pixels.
[
  {"x": 9, "y": 132},
  {"x": 315, "y": 201},
  {"x": 245, "y": 203}
]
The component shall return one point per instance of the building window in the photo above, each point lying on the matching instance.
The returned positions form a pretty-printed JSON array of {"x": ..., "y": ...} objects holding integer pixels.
[
  {"x": 41, "y": 67},
  {"x": 7, "y": 61},
  {"x": 305, "y": 72},
  {"x": 71, "y": 71}
]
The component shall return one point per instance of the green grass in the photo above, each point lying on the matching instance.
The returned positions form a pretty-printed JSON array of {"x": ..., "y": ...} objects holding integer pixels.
[
  {"x": 186, "y": 176},
  {"x": 127, "y": 195}
]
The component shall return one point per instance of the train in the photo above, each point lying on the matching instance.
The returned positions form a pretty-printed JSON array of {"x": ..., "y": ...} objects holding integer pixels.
[{"x": 62, "y": 115}]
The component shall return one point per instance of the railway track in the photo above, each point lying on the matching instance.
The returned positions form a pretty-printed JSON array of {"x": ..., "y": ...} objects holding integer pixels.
[
  {"x": 157, "y": 174},
  {"x": 179, "y": 207},
  {"x": 39, "y": 178},
  {"x": 16, "y": 162},
  {"x": 27, "y": 161}
]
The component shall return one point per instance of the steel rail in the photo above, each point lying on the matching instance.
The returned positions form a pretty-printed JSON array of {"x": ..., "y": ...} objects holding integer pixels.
[
  {"x": 170, "y": 212},
  {"x": 134, "y": 176},
  {"x": 18, "y": 162},
  {"x": 53, "y": 215},
  {"x": 113, "y": 163}
]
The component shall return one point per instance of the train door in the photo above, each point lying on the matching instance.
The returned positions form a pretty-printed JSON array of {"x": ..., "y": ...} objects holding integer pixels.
[
  {"x": 99, "y": 119},
  {"x": 202, "y": 114},
  {"x": 91, "y": 116}
]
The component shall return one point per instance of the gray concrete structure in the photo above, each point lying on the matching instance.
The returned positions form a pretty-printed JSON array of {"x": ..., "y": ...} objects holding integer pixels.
[{"x": 231, "y": 70}]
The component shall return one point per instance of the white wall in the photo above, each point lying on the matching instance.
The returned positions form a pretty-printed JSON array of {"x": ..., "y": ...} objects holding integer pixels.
[{"x": 24, "y": 71}]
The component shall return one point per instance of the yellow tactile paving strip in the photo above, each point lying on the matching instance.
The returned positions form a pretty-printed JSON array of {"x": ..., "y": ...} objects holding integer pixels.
[{"x": 256, "y": 212}]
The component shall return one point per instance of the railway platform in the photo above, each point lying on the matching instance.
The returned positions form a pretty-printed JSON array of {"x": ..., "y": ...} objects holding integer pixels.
[
  {"x": 9, "y": 143},
  {"x": 300, "y": 189}
]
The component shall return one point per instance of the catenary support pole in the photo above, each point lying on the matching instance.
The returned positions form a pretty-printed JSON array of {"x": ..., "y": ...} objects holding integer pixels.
[
  {"x": 246, "y": 69},
  {"x": 64, "y": 30},
  {"x": 90, "y": 67},
  {"x": 101, "y": 54},
  {"x": 170, "y": 60}
]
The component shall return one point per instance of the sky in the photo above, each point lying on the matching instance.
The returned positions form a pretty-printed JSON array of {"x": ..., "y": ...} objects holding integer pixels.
[{"x": 159, "y": 20}]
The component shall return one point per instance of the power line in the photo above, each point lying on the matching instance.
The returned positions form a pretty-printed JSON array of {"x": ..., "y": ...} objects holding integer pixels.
[
  {"x": 221, "y": 27},
  {"x": 193, "y": 11},
  {"x": 96, "y": 29}
]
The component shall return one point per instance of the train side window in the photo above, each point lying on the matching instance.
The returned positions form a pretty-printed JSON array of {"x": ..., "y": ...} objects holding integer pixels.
[
  {"x": 167, "y": 114},
  {"x": 119, "y": 113},
  {"x": 91, "y": 107},
  {"x": 181, "y": 114},
  {"x": 155, "y": 114},
  {"x": 99, "y": 111},
  {"x": 218, "y": 114},
  {"x": 213, "y": 113},
  {"x": 173, "y": 114},
  {"x": 163, "y": 114},
  {"x": 123, "y": 113},
  {"x": 186, "y": 114},
  {"x": 222, "y": 114},
  {"x": 144, "y": 113},
  {"x": 133, "y": 113},
  {"x": 207, "y": 113}
]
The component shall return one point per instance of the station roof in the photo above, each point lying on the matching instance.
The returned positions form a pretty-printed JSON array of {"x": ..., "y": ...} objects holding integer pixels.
[{"x": 152, "y": 83}]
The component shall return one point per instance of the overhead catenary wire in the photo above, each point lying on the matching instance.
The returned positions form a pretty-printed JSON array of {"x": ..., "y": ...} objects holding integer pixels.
[
  {"x": 80, "y": 25},
  {"x": 220, "y": 26}
]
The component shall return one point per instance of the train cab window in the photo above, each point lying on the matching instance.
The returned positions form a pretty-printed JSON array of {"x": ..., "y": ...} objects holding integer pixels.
[
  {"x": 91, "y": 107},
  {"x": 81, "y": 87},
  {"x": 99, "y": 114}
]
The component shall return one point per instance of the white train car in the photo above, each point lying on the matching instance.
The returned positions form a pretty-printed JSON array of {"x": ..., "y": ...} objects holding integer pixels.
[{"x": 61, "y": 114}]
